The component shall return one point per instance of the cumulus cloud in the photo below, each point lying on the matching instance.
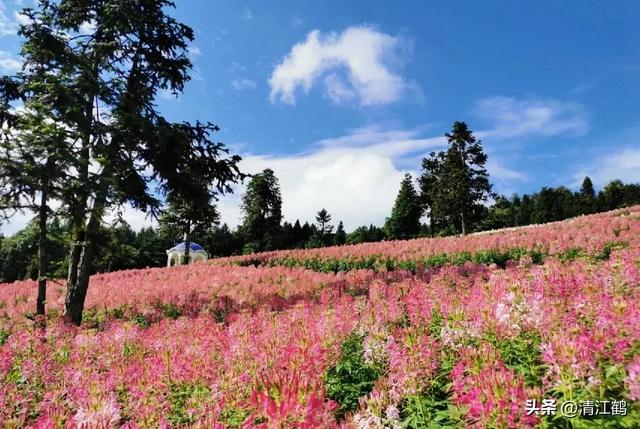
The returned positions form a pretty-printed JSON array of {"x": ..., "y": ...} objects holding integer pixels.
[
  {"x": 242, "y": 84},
  {"x": 88, "y": 27},
  {"x": 8, "y": 27},
  {"x": 8, "y": 63},
  {"x": 21, "y": 19},
  {"x": 360, "y": 62},
  {"x": 510, "y": 117},
  {"x": 16, "y": 223},
  {"x": 624, "y": 164},
  {"x": 135, "y": 218},
  {"x": 356, "y": 177}
]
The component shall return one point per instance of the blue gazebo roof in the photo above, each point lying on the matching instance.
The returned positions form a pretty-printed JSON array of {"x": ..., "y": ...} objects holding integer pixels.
[{"x": 192, "y": 246}]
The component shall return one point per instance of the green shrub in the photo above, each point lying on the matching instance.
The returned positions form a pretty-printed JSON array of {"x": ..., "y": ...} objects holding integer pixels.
[
  {"x": 180, "y": 394},
  {"x": 432, "y": 408},
  {"x": 352, "y": 377}
]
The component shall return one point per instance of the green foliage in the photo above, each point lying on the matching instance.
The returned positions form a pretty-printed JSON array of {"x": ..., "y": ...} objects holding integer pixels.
[
  {"x": 455, "y": 182},
  {"x": 404, "y": 221},
  {"x": 141, "y": 320},
  {"x": 609, "y": 247},
  {"x": 364, "y": 234},
  {"x": 433, "y": 408},
  {"x": 340, "y": 236},
  {"x": 571, "y": 254},
  {"x": 611, "y": 387},
  {"x": 4, "y": 336},
  {"x": 523, "y": 355},
  {"x": 262, "y": 211},
  {"x": 233, "y": 417},
  {"x": 352, "y": 377},
  {"x": 555, "y": 204},
  {"x": 180, "y": 395},
  {"x": 170, "y": 310},
  {"x": 18, "y": 254}
]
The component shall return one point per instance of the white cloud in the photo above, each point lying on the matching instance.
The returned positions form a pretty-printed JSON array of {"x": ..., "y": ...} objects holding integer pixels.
[
  {"x": 247, "y": 14},
  {"x": 22, "y": 19},
  {"x": 16, "y": 223},
  {"x": 357, "y": 62},
  {"x": 511, "y": 117},
  {"x": 242, "y": 84},
  {"x": 88, "y": 27},
  {"x": 135, "y": 218},
  {"x": 8, "y": 64},
  {"x": 624, "y": 164},
  {"x": 337, "y": 89},
  {"x": 501, "y": 173},
  {"x": 167, "y": 94},
  {"x": 193, "y": 51},
  {"x": 7, "y": 26},
  {"x": 355, "y": 177}
]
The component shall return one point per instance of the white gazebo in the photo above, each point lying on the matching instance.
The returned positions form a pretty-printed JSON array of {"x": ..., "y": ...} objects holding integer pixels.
[{"x": 176, "y": 254}]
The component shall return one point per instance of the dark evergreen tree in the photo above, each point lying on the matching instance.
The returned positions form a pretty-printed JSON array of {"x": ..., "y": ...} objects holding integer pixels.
[
  {"x": 525, "y": 214},
  {"x": 323, "y": 218},
  {"x": 340, "y": 236},
  {"x": 306, "y": 232},
  {"x": 100, "y": 86},
  {"x": 429, "y": 182},
  {"x": 404, "y": 221},
  {"x": 262, "y": 212},
  {"x": 612, "y": 196},
  {"x": 455, "y": 183},
  {"x": 286, "y": 238},
  {"x": 298, "y": 238},
  {"x": 221, "y": 241},
  {"x": 500, "y": 215}
]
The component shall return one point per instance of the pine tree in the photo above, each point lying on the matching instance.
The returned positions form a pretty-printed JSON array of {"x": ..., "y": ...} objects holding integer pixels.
[
  {"x": 404, "y": 221},
  {"x": 100, "y": 87},
  {"x": 455, "y": 182},
  {"x": 587, "y": 197},
  {"x": 323, "y": 218},
  {"x": 262, "y": 211},
  {"x": 340, "y": 235}
]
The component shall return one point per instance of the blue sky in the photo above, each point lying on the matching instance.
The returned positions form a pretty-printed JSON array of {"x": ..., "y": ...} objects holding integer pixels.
[{"x": 342, "y": 98}]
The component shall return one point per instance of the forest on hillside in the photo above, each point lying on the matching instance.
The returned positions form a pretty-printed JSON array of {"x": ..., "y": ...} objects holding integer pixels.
[{"x": 124, "y": 248}]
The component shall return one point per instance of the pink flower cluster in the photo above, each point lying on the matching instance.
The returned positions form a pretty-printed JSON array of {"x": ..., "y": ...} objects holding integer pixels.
[
  {"x": 263, "y": 363},
  {"x": 589, "y": 233}
]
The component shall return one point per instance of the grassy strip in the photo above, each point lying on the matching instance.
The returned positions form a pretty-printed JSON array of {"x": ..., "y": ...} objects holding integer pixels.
[{"x": 499, "y": 257}]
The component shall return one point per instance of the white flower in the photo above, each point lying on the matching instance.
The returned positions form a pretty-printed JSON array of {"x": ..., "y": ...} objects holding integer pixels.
[{"x": 393, "y": 412}]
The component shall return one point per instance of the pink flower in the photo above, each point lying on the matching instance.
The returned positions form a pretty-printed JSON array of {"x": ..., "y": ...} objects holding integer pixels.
[{"x": 633, "y": 379}]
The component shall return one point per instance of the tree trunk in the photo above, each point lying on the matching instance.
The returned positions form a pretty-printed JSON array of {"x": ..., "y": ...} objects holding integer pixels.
[
  {"x": 77, "y": 290},
  {"x": 464, "y": 227},
  {"x": 187, "y": 244},
  {"x": 431, "y": 224},
  {"x": 42, "y": 253}
]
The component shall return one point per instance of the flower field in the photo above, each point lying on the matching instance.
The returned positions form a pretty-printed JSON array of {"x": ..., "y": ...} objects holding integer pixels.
[{"x": 472, "y": 332}]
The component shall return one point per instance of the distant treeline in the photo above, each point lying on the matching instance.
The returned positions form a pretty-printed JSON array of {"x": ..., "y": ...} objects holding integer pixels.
[
  {"x": 453, "y": 194},
  {"x": 553, "y": 204},
  {"x": 124, "y": 248}
]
